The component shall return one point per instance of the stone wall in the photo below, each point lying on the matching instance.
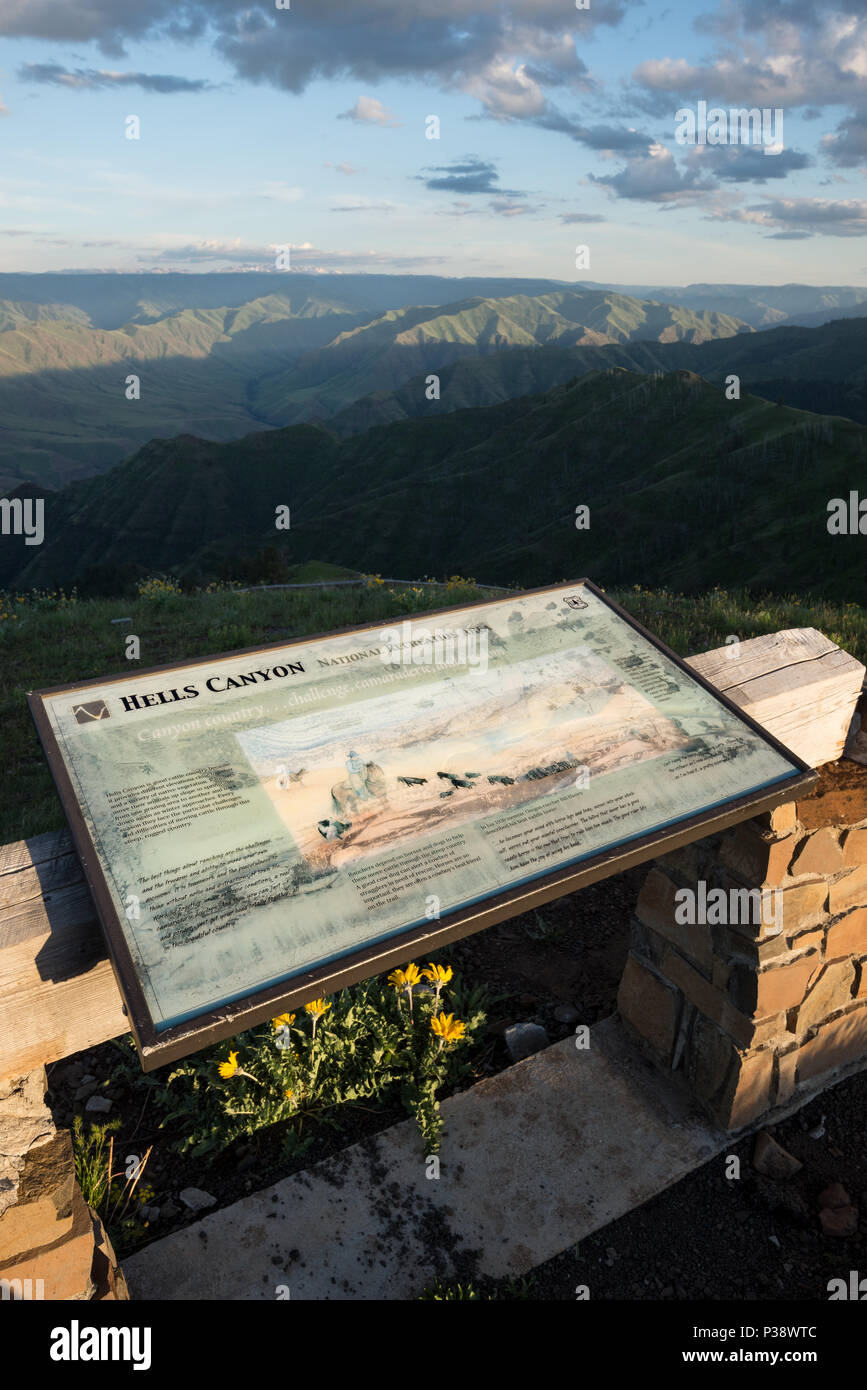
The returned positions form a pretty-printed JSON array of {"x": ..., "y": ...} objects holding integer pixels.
[
  {"x": 52, "y": 1245},
  {"x": 759, "y": 1015}
]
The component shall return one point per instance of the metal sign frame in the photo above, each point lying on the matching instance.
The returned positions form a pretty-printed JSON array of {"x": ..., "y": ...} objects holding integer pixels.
[{"x": 157, "y": 1047}]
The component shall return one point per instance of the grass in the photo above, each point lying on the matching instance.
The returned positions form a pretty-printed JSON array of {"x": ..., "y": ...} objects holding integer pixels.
[
  {"x": 49, "y": 639},
  {"x": 108, "y": 1192}
]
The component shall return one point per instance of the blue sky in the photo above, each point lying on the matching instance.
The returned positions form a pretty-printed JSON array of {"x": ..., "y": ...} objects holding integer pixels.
[{"x": 306, "y": 127}]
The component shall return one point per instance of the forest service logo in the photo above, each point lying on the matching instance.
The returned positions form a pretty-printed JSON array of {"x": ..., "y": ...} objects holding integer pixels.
[{"x": 96, "y": 709}]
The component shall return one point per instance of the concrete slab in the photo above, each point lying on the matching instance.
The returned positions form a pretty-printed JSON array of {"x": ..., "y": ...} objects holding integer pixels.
[{"x": 532, "y": 1161}]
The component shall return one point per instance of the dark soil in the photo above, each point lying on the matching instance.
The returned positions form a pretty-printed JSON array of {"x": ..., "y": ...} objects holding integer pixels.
[{"x": 710, "y": 1237}]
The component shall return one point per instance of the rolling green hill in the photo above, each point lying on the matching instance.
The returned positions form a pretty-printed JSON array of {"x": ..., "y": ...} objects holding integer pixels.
[
  {"x": 684, "y": 488},
  {"x": 818, "y": 369},
  {"x": 385, "y": 352},
  {"x": 64, "y": 411},
  {"x": 296, "y": 347}
]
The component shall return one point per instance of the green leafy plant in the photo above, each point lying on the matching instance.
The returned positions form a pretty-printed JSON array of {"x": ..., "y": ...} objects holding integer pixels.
[
  {"x": 440, "y": 1292},
  {"x": 372, "y": 1042},
  {"x": 518, "y": 1289}
]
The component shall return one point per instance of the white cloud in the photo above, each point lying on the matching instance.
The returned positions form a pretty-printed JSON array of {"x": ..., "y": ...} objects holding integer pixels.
[
  {"x": 211, "y": 253},
  {"x": 656, "y": 178},
  {"x": 790, "y": 218},
  {"x": 369, "y": 111},
  {"x": 282, "y": 192}
]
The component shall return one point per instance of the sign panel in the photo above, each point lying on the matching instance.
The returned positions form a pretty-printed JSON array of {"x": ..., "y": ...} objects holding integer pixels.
[{"x": 262, "y": 827}]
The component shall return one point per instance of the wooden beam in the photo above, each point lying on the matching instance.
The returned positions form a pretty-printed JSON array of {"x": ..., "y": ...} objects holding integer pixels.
[
  {"x": 798, "y": 684},
  {"x": 57, "y": 990}
]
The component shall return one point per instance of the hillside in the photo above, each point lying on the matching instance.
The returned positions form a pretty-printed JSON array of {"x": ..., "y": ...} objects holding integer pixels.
[
  {"x": 385, "y": 352},
  {"x": 278, "y": 349},
  {"x": 820, "y": 369},
  {"x": 63, "y": 406},
  {"x": 680, "y": 483}
]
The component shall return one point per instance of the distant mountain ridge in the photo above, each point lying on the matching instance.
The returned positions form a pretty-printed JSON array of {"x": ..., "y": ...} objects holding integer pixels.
[
  {"x": 70, "y": 407},
  {"x": 386, "y": 351},
  {"x": 111, "y": 300},
  {"x": 762, "y": 306}
]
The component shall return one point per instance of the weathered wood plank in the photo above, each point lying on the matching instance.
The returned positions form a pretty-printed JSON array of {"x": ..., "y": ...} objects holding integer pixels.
[
  {"x": 58, "y": 993},
  {"x": 57, "y": 989},
  {"x": 797, "y": 684},
  {"x": 734, "y": 665},
  {"x": 40, "y": 849}
]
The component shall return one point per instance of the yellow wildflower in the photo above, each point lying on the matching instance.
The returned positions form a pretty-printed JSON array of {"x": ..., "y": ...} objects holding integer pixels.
[
  {"x": 447, "y": 1027},
  {"x": 227, "y": 1069},
  {"x": 317, "y": 1008},
  {"x": 282, "y": 1021},
  {"x": 405, "y": 979},
  {"x": 438, "y": 974}
]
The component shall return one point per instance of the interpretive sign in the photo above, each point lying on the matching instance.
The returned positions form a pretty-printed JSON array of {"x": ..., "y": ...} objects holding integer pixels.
[{"x": 262, "y": 827}]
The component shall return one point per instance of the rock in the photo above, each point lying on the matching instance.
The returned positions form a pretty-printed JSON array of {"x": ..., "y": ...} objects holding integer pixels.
[
  {"x": 839, "y": 1222},
  {"x": 819, "y": 1131},
  {"x": 150, "y": 1214},
  {"x": 565, "y": 1013},
  {"x": 772, "y": 1160},
  {"x": 86, "y": 1080},
  {"x": 196, "y": 1200},
  {"x": 85, "y": 1090},
  {"x": 523, "y": 1039},
  {"x": 98, "y": 1105},
  {"x": 169, "y": 1210},
  {"x": 834, "y": 1197}
]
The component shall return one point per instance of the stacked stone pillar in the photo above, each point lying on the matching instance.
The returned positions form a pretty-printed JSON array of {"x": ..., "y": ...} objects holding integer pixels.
[
  {"x": 52, "y": 1245},
  {"x": 758, "y": 1015}
]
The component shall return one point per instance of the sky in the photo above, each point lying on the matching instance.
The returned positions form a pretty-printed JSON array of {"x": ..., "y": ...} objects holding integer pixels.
[{"x": 306, "y": 124}]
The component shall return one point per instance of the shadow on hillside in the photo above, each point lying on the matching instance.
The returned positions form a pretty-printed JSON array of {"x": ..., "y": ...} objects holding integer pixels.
[{"x": 59, "y": 426}]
